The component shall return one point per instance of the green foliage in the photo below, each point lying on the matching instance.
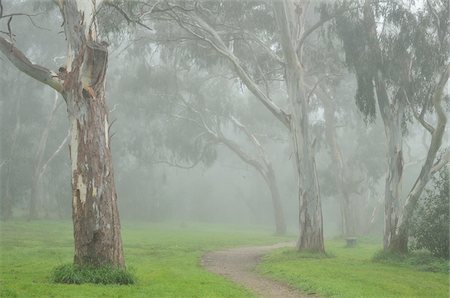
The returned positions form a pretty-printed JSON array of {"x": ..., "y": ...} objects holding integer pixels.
[
  {"x": 352, "y": 273},
  {"x": 430, "y": 223},
  {"x": 73, "y": 274},
  {"x": 420, "y": 260}
]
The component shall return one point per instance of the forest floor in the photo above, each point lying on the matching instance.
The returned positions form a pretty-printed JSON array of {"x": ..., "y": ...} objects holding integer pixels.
[{"x": 239, "y": 264}]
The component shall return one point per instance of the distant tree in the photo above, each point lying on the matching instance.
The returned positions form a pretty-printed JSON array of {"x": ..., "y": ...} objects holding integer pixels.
[{"x": 81, "y": 82}]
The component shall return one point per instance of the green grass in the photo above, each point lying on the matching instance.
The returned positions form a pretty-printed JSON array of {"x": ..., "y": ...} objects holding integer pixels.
[
  {"x": 352, "y": 272},
  {"x": 164, "y": 258}
]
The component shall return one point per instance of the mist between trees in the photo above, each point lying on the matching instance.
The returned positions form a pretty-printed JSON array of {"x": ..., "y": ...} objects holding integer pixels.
[{"x": 316, "y": 118}]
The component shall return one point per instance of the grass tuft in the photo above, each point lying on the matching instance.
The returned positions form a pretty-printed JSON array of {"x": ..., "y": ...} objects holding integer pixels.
[{"x": 73, "y": 274}]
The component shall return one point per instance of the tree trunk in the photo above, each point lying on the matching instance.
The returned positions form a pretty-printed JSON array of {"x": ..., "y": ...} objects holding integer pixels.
[
  {"x": 348, "y": 220},
  {"x": 278, "y": 214},
  {"x": 392, "y": 112},
  {"x": 310, "y": 209},
  {"x": 94, "y": 198}
]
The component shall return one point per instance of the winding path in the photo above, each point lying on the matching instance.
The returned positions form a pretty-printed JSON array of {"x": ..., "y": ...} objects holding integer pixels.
[{"x": 238, "y": 264}]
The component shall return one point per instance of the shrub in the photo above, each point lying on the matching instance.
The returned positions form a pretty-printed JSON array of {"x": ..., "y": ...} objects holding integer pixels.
[
  {"x": 73, "y": 274},
  {"x": 430, "y": 223}
]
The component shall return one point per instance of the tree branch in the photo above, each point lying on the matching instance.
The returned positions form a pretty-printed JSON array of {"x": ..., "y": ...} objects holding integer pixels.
[
  {"x": 445, "y": 159},
  {"x": 125, "y": 15},
  {"x": 64, "y": 141},
  {"x": 316, "y": 26},
  {"x": 21, "y": 62},
  {"x": 418, "y": 116},
  {"x": 217, "y": 43}
]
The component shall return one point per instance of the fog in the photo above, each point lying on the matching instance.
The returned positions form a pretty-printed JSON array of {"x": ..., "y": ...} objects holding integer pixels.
[{"x": 174, "y": 102}]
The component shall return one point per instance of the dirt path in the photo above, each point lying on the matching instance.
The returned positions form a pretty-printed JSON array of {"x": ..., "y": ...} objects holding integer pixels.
[{"x": 238, "y": 264}]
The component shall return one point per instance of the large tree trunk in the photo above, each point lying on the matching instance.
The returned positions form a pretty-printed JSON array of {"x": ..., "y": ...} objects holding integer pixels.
[
  {"x": 94, "y": 198},
  {"x": 310, "y": 209}
]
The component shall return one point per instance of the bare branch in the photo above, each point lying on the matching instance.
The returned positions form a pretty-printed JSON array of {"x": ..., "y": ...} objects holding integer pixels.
[
  {"x": 125, "y": 15},
  {"x": 21, "y": 62},
  {"x": 178, "y": 165},
  {"x": 29, "y": 16},
  {"x": 211, "y": 36}
]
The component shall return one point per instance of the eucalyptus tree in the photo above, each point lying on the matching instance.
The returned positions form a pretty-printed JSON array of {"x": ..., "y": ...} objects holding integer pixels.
[
  {"x": 81, "y": 82},
  {"x": 400, "y": 53},
  {"x": 261, "y": 41}
]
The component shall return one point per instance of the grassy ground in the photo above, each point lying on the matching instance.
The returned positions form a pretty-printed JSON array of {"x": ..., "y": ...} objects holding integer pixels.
[
  {"x": 164, "y": 258},
  {"x": 350, "y": 272}
]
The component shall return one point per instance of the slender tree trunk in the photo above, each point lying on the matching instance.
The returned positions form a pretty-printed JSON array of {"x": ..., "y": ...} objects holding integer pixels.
[
  {"x": 278, "y": 214},
  {"x": 263, "y": 167},
  {"x": 348, "y": 220}
]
